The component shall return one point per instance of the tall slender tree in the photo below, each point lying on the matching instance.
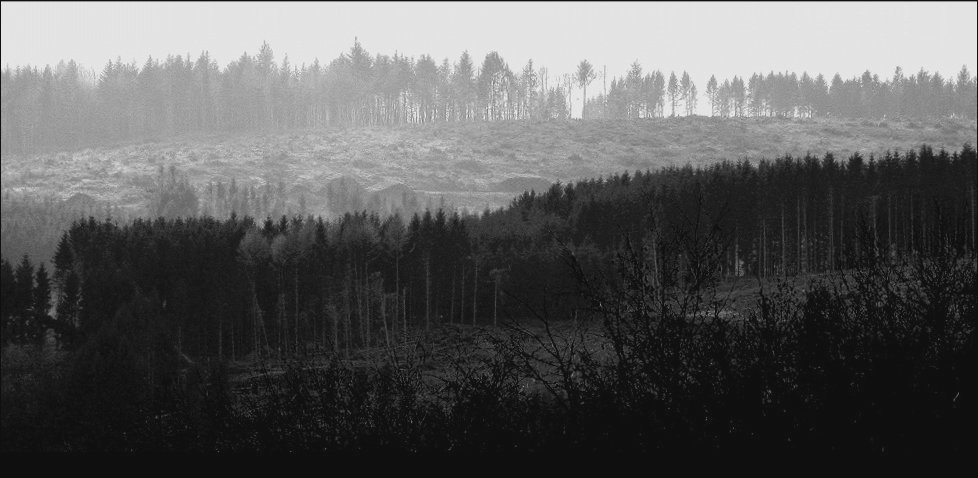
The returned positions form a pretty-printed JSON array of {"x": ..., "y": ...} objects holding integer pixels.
[{"x": 585, "y": 75}]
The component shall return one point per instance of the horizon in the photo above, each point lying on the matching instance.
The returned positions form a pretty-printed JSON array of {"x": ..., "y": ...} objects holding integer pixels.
[{"x": 133, "y": 32}]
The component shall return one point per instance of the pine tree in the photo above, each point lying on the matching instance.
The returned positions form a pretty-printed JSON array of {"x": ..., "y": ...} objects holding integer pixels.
[
  {"x": 711, "y": 94},
  {"x": 64, "y": 260},
  {"x": 41, "y": 305},
  {"x": 585, "y": 75},
  {"x": 23, "y": 299},
  {"x": 8, "y": 287},
  {"x": 67, "y": 310},
  {"x": 673, "y": 91},
  {"x": 685, "y": 84}
]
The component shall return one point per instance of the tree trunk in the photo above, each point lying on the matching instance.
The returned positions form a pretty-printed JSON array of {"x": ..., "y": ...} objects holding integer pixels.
[
  {"x": 876, "y": 239},
  {"x": 358, "y": 291},
  {"x": 584, "y": 103},
  {"x": 495, "y": 301},
  {"x": 366, "y": 305},
  {"x": 737, "y": 270},
  {"x": 475, "y": 291},
  {"x": 427, "y": 291},
  {"x": 782, "y": 241},
  {"x": 397, "y": 282},
  {"x": 383, "y": 314},
  {"x": 973, "y": 230},
  {"x": 889, "y": 224},
  {"x": 798, "y": 263},
  {"x": 233, "y": 355},
  {"x": 220, "y": 337},
  {"x": 842, "y": 230},
  {"x": 282, "y": 324},
  {"x": 296, "y": 285},
  {"x": 347, "y": 311},
  {"x": 461, "y": 311},
  {"x": 831, "y": 230},
  {"x": 254, "y": 317}
]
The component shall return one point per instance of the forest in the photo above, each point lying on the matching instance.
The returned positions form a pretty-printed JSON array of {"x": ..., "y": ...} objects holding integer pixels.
[
  {"x": 152, "y": 313},
  {"x": 293, "y": 284},
  {"x": 65, "y": 107},
  {"x": 786, "y": 95}
]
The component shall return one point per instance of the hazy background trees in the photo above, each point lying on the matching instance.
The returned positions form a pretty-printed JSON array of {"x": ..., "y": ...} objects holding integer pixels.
[{"x": 67, "y": 107}]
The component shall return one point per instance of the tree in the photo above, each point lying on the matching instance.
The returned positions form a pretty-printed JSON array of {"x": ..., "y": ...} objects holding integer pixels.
[
  {"x": 41, "y": 306},
  {"x": 633, "y": 91},
  {"x": 444, "y": 93},
  {"x": 426, "y": 85},
  {"x": 965, "y": 100},
  {"x": 174, "y": 195},
  {"x": 67, "y": 310},
  {"x": 738, "y": 94},
  {"x": 838, "y": 103},
  {"x": 64, "y": 261},
  {"x": 254, "y": 253},
  {"x": 711, "y": 94},
  {"x": 806, "y": 95},
  {"x": 8, "y": 287},
  {"x": 23, "y": 300},
  {"x": 658, "y": 88},
  {"x": 820, "y": 96},
  {"x": 724, "y": 99},
  {"x": 464, "y": 86},
  {"x": 528, "y": 86},
  {"x": 585, "y": 75},
  {"x": 64, "y": 106},
  {"x": 673, "y": 91},
  {"x": 491, "y": 77},
  {"x": 684, "y": 87}
]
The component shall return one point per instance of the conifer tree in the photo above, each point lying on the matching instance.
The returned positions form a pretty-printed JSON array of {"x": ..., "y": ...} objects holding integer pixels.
[
  {"x": 711, "y": 94},
  {"x": 23, "y": 300},
  {"x": 674, "y": 93},
  {"x": 41, "y": 305},
  {"x": 585, "y": 75},
  {"x": 8, "y": 287}
]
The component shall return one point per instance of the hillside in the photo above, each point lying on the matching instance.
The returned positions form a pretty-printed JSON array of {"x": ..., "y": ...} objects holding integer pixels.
[{"x": 473, "y": 166}]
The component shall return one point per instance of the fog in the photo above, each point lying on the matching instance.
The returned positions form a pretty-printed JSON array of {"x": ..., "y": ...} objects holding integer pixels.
[{"x": 724, "y": 39}]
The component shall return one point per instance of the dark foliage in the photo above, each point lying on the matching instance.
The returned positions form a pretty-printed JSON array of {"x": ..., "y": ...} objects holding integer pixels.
[{"x": 874, "y": 354}]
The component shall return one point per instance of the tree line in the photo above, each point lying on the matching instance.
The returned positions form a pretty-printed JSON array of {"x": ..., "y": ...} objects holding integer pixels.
[
  {"x": 33, "y": 225},
  {"x": 237, "y": 287},
  {"x": 60, "y": 107},
  {"x": 788, "y": 95},
  {"x": 57, "y": 107}
]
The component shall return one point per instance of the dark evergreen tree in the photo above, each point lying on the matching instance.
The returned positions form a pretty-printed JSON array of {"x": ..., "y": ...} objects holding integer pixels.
[
  {"x": 8, "y": 287},
  {"x": 41, "y": 305},
  {"x": 22, "y": 301}
]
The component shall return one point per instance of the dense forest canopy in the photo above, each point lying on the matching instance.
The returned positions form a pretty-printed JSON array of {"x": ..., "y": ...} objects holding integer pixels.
[
  {"x": 283, "y": 286},
  {"x": 57, "y": 107},
  {"x": 150, "y": 315}
]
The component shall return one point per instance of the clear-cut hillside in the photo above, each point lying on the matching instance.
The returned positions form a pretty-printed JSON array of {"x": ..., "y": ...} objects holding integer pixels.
[{"x": 474, "y": 165}]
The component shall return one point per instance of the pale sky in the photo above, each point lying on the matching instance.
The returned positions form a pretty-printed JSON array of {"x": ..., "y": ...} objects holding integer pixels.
[{"x": 721, "y": 38}]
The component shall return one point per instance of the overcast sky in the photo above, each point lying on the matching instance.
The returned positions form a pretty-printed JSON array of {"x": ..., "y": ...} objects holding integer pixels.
[{"x": 725, "y": 39}]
